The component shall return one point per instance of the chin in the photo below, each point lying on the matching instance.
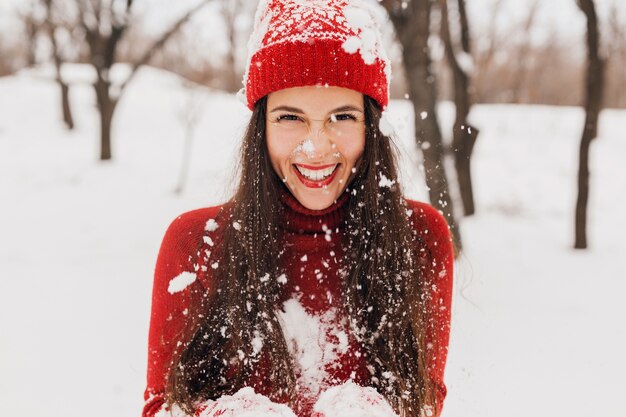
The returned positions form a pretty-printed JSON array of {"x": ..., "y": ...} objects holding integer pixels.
[
  {"x": 316, "y": 199},
  {"x": 317, "y": 203}
]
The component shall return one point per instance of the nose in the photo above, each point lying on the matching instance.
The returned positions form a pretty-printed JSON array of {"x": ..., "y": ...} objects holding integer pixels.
[{"x": 321, "y": 139}]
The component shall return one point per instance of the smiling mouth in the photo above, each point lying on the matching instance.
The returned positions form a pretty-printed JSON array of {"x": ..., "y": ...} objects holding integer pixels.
[{"x": 316, "y": 176}]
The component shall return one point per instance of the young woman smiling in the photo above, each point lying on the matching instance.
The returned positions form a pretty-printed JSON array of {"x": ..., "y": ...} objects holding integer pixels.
[
  {"x": 331, "y": 121},
  {"x": 317, "y": 289}
]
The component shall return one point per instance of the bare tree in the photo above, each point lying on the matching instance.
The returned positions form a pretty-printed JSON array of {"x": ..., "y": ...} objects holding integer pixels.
[
  {"x": 523, "y": 49},
  {"x": 230, "y": 10},
  {"x": 411, "y": 20},
  {"x": 594, "y": 87},
  {"x": 189, "y": 115},
  {"x": 464, "y": 134},
  {"x": 32, "y": 20},
  {"x": 616, "y": 76},
  {"x": 52, "y": 26},
  {"x": 485, "y": 56},
  {"x": 104, "y": 23}
]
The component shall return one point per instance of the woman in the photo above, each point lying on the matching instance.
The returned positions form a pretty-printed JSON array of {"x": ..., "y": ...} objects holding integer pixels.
[{"x": 317, "y": 289}]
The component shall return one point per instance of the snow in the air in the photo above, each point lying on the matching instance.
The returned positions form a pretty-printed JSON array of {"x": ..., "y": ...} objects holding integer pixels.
[
  {"x": 533, "y": 321},
  {"x": 465, "y": 61},
  {"x": 385, "y": 182}
]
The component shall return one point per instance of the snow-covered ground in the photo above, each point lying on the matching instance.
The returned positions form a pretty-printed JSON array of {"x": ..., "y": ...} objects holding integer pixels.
[{"x": 538, "y": 328}]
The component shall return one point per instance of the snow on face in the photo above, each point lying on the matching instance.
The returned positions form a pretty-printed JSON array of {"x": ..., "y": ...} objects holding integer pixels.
[
  {"x": 307, "y": 147},
  {"x": 180, "y": 282},
  {"x": 307, "y": 338}
]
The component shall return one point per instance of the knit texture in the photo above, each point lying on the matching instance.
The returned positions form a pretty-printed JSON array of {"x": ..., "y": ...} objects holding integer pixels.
[
  {"x": 313, "y": 287},
  {"x": 298, "y": 43}
]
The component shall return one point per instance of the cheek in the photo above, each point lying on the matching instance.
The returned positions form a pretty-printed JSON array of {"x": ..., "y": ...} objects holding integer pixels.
[
  {"x": 352, "y": 150},
  {"x": 279, "y": 150}
]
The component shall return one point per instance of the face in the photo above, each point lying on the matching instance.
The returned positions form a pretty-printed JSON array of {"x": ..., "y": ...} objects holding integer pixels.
[{"x": 315, "y": 137}]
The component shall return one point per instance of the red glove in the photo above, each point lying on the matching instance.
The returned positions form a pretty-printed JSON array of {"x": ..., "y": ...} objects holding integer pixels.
[
  {"x": 350, "y": 399},
  {"x": 244, "y": 403}
]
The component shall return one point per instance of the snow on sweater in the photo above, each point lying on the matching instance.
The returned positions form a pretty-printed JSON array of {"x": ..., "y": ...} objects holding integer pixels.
[{"x": 325, "y": 351}]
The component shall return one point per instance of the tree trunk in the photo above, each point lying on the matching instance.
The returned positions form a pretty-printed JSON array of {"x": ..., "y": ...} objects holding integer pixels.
[
  {"x": 230, "y": 9},
  {"x": 519, "y": 79},
  {"x": 463, "y": 144},
  {"x": 593, "y": 105},
  {"x": 485, "y": 58},
  {"x": 106, "y": 107},
  {"x": 58, "y": 63},
  {"x": 412, "y": 23},
  {"x": 103, "y": 43},
  {"x": 68, "y": 119},
  {"x": 464, "y": 135},
  {"x": 185, "y": 165}
]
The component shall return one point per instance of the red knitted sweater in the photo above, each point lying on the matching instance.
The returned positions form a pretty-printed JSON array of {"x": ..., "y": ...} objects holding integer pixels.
[{"x": 313, "y": 281}]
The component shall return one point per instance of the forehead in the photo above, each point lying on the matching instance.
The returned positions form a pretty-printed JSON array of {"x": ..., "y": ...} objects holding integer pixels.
[{"x": 315, "y": 99}]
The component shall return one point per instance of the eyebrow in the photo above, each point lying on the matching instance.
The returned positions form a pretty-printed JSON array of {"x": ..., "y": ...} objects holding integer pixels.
[{"x": 297, "y": 110}]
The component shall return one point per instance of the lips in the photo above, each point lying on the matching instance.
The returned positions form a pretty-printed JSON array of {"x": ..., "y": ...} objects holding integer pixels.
[{"x": 316, "y": 176}]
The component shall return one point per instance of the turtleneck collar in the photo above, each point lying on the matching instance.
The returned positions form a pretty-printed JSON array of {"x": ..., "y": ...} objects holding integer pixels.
[{"x": 300, "y": 219}]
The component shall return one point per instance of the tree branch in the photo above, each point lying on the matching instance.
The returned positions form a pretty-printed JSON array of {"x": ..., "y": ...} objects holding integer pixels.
[{"x": 156, "y": 46}]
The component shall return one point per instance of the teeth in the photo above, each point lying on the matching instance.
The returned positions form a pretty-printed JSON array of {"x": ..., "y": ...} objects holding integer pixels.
[{"x": 316, "y": 175}]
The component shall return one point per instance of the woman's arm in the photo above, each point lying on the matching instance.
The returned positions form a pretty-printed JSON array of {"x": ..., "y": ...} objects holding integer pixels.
[
  {"x": 176, "y": 285},
  {"x": 432, "y": 227}
]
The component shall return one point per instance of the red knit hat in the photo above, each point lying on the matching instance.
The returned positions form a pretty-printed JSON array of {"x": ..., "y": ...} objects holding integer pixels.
[{"x": 298, "y": 43}]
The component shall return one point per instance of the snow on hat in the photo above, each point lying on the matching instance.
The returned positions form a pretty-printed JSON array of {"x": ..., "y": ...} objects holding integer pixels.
[{"x": 298, "y": 43}]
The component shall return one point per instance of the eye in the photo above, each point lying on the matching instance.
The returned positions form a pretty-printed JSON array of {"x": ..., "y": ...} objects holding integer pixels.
[
  {"x": 287, "y": 117},
  {"x": 342, "y": 117}
]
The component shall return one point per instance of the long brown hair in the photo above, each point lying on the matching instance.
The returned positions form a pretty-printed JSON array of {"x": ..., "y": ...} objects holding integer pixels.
[{"x": 383, "y": 275}]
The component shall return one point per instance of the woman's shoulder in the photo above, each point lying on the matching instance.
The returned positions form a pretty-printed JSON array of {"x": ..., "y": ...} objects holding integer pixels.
[
  {"x": 196, "y": 217},
  {"x": 430, "y": 224},
  {"x": 191, "y": 225},
  {"x": 185, "y": 236},
  {"x": 425, "y": 213}
]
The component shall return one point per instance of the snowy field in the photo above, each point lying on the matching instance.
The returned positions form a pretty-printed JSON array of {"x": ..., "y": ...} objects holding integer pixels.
[{"x": 538, "y": 328}]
